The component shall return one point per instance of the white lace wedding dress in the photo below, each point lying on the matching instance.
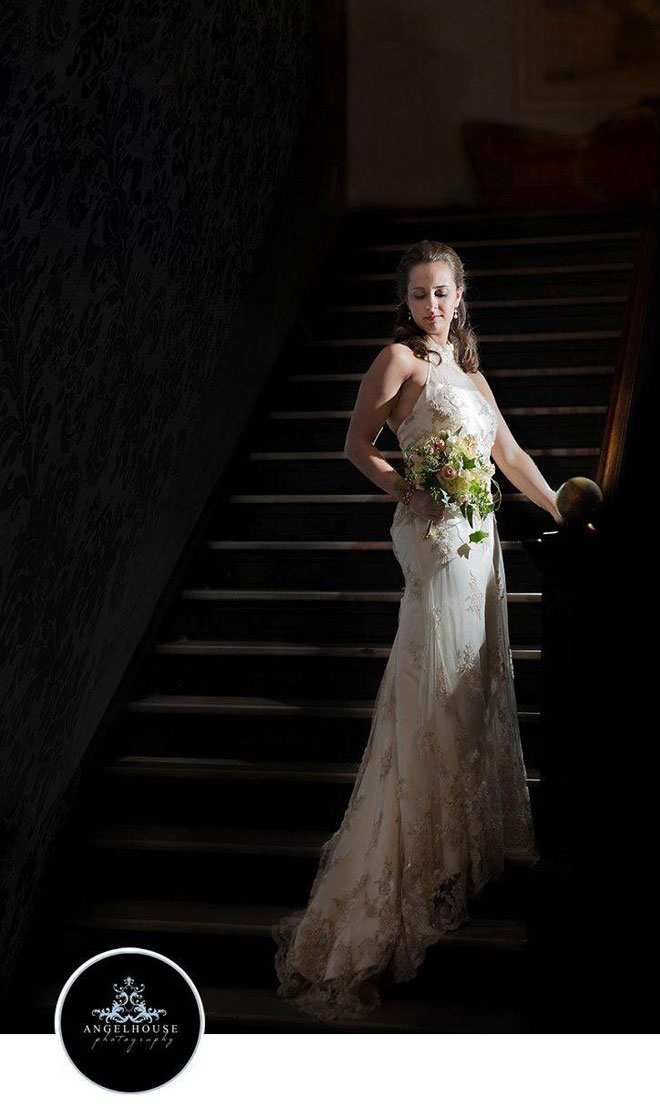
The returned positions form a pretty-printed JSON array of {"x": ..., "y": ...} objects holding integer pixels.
[{"x": 440, "y": 797}]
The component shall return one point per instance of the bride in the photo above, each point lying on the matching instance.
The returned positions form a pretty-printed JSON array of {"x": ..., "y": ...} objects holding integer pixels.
[{"x": 440, "y": 797}]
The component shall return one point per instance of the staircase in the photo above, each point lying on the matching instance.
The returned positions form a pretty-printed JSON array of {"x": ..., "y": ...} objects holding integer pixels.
[{"x": 235, "y": 758}]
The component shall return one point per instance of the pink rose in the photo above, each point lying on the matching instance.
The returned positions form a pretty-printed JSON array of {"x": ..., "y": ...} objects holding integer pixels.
[{"x": 448, "y": 472}]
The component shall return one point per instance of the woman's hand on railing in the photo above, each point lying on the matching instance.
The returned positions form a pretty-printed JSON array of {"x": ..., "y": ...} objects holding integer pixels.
[{"x": 558, "y": 518}]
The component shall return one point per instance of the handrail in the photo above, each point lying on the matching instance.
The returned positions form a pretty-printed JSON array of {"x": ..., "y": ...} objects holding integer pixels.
[{"x": 621, "y": 392}]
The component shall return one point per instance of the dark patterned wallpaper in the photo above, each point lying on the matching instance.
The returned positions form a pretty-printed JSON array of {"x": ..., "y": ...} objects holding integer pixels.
[{"x": 143, "y": 145}]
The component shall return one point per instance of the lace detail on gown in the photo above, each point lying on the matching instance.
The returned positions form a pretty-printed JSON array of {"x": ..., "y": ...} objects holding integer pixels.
[{"x": 440, "y": 796}]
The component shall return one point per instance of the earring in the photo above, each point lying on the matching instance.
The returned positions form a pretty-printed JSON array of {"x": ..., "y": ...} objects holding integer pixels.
[
  {"x": 409, "y": 315},
  {"x": 456, "y": 313}
]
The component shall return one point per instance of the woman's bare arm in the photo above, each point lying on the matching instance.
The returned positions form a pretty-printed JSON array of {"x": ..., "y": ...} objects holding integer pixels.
[
  {"x": 376, "y": 399},
  {"x": 517, "y": 464}
]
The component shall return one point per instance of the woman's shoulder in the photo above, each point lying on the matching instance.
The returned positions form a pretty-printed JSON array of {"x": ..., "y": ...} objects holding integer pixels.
[
  {"x": 398, "y": 350},
  {"x": 401, "y": 356},
  {"x": 394, "y": 357}
]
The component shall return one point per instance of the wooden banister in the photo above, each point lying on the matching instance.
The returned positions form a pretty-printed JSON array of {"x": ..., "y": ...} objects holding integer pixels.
[{"x": 623, "y": 381}]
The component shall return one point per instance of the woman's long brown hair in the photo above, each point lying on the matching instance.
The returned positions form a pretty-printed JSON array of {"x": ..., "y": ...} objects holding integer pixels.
[{"x": 406, "y": 330}]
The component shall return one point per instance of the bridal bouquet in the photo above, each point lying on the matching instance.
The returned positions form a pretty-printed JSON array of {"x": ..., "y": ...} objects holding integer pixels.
[{"x": 452, "y": 470}]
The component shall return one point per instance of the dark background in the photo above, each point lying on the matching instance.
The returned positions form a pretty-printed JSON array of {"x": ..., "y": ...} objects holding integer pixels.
[{"x": 154, "y": 155}]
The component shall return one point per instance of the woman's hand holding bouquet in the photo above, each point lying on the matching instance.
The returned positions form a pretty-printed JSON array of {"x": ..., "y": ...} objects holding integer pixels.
[{"x": 450, "y": 469}]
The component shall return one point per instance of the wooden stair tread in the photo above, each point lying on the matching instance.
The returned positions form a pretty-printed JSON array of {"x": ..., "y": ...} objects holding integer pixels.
[
  {"x": 497, "y": 373},
  {"x": 575, "y": 237},
  {"x": 351, "y": 499},
  {"x": 256, "y": 919},
  {"x": 254, "y": 1006},
  {"x": 276, "y": 594},
  {"x": 484, "y": 339},
  {"x": 157, "y": 765},
  {"x": 193, "y": 837},
  {"x": 266, "y": 545},
  {"x": 136, "y": 765},
  {"x": 487, "y": 304},
  {"x": 396, "y": 454},
  {"x": 519, "y": 411},
  {"x": 216, "y": 703},
  {"x": 560, "y": 269},
  {"x": 291, "y": 647},
  {"x": 186, "y": 837}
]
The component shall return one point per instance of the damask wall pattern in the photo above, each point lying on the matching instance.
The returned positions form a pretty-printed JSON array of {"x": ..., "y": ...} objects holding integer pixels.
[{"x": 142, "y": 147}]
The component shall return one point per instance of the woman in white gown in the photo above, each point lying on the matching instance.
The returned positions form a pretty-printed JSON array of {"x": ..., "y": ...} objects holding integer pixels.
[{"x": 440, "y": 798}]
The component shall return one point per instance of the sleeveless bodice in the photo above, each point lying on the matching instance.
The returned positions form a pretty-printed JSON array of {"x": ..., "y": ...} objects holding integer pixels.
[{"x": 448, "y": 400}]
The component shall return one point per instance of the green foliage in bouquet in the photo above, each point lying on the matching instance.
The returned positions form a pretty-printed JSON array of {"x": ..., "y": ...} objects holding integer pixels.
[{"x": 453, "y": 471}]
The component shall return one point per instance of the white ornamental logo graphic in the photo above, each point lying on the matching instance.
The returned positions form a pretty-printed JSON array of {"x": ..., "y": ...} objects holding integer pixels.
[{"x": 128, "y": 1006}]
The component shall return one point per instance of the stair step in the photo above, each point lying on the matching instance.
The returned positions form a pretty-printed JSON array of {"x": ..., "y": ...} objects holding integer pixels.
[
  {"x": 291, "y": 648},
  {"x": 333, "y": 473},
  {"x": 322, "y": 545},
  {"x": 332, "y": 388},
  {"x": 564, "y": 269},
  {"x": 256, "y": 706},
  {"x": 349, "y": 499},
  {"x": 494, "y": 373},
  {"x": 574, "y": 425},
  {"x": 205, "y": 839},
  {"x": 501, "y": 253},
  {"x": 215, "y": 594},
  {"x": 542, "y": 347},
  {"x": 323, "y": 516},
  {"x": 503, "y": 284},
  {"x": 322, "y": 564},
  {"x": 258, "y": 730},
  {"x": 356, "y": 620},
  {"x": 397, "y": 454},
  {"x": 319, "y": 471},
  {"x": 483, "y": 304},
  {"x": 251, "y": 920},
  {"x": 195, "y": 838},
  {"x": 271, "y": 861},
  {"x": 477, "y": 221},
  {"x": 486, "y": 272},
  {"x": 514, "y": 315},
  {"x": 510, "y": 411},
  {"x": 232, "y": 794},
  {"x": 573, "y": 238},
  {"x": 484, "y": 339},
  {"x": 213, "y": 664},
  {"x": 252, "y": 1009},
  {"x": 154, "y": 766},
  {"x": 323, "y": 472}
]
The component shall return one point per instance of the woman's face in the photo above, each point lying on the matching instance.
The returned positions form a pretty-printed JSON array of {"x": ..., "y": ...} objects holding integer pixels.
[{"x": 432, "y": 297}]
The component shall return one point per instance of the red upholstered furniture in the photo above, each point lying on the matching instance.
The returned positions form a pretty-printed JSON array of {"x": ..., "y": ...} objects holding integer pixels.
[{"x": 614, "y": 164}]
